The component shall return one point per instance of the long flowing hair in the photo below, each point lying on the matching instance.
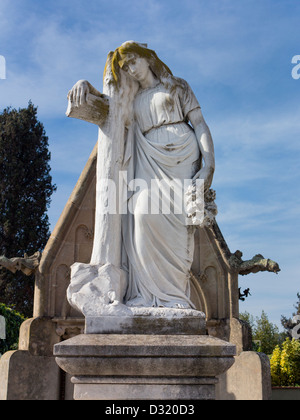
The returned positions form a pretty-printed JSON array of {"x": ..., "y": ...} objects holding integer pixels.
[{"x": 121, "y": 87}]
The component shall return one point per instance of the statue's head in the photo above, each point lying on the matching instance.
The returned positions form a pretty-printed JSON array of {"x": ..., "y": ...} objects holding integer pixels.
[{"x": 130, "y": 52}]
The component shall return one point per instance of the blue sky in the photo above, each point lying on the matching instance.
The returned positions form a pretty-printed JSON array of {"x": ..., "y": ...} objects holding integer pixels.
[{"x": 236, "y": 55}]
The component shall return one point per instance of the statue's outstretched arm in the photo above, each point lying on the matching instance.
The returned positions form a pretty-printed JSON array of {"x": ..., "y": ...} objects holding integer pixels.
[{"x": 87, "y": 103}]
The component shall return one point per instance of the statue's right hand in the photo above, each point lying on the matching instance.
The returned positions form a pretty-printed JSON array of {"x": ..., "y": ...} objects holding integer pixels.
[{"x": 78, "y": 94}]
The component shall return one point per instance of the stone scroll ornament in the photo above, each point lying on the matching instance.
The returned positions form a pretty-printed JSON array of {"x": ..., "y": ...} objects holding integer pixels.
[{"x": 151, "y": 130}]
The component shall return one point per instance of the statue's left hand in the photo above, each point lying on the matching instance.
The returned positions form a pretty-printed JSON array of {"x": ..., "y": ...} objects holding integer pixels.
[
  {"x": 207, "y": 174},
  {"x": 87, "y": 103},
  {"x": 78, "y": 93}
]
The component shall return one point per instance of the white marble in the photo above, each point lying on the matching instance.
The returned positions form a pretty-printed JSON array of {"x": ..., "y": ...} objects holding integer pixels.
[
  {"x": 97, "y": 289},
  {"x": 143, "y": 132}
]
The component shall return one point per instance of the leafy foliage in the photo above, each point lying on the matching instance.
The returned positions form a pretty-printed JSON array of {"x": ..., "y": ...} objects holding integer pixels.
[
  {"x": 276, "y": 366},
  {"x": 13, "y": 321},
  {"x": 284, "y": 352},
  {"x": 265, "y": 334},
  {"x": 285, "y": 364},
  {"x": 25, "y": 191}
]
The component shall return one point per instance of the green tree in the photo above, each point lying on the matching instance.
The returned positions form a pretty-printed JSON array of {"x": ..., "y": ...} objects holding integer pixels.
[
  {"x": 25, "y": 191},
  {"x": 288, "y": 323},
  {"x": 265, "y": 334},
  {"x": 247, "y": 317}
]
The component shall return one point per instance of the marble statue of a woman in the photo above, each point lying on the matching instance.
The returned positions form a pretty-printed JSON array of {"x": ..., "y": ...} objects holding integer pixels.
[{"x": 151, "y": 129}]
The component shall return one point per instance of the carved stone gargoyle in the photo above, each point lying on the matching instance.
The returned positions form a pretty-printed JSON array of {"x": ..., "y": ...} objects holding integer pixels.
[
  {"x": 27, "y": 265},
  {"x": 256, "y": 264}
]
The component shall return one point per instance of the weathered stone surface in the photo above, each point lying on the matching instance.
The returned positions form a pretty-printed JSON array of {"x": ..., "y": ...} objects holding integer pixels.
[
  {"x": 248, "y": 379},
  {"x": 255, "y": 265},
  {"x": 111, "y": 345},
  {"x": 31, "y": 373},
  {"x": 91, "y": 388},
  {"x": 149, "y": 321},
  {"x": 26, "y": 377},
  {"x": 98, "y": 290},
  {"x": 38, "y": 336},
  {"x": 27, "y": 264},
  {"x": 95, "y": 110},
  {"x": 144, "y": 366}
]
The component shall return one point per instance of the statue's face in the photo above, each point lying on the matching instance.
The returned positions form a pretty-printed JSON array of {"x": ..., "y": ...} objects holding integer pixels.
[{"x": 137, "y": 67}]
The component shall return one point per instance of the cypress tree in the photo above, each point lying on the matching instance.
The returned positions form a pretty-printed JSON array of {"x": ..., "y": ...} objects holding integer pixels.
[{"x": 25, "y": 191}]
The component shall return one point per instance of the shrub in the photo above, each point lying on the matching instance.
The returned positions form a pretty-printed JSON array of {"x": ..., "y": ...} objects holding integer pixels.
[
  {"x": 276, "y": 366},
  {"x": 285, "y": 364},
  {"x": 13, "y": 322}
]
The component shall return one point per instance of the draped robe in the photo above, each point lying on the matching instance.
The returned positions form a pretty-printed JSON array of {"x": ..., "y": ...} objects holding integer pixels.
[{"x": 162, "y": 148}]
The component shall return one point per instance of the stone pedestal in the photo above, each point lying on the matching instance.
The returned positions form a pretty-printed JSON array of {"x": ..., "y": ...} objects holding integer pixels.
[
  {"x": 144, "y": 367},
  {"x": 149, "y": 321}
]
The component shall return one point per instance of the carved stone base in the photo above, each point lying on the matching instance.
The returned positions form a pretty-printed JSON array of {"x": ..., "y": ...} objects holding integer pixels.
[
  {"x": 95, "y": 388},
  {"x": 149, "y": 321},
  {"x": 139, "y": 367}
]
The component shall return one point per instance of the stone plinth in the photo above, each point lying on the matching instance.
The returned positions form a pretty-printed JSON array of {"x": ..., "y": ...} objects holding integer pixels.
[
  {"x": 149, "y": 321},
  {"x": 139, "y": 367}
]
